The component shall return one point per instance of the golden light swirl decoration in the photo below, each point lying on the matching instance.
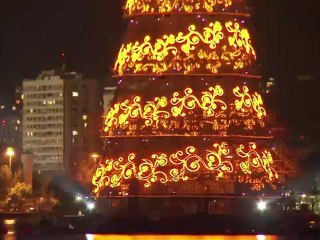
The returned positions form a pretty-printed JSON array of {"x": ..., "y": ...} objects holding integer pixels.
[
  {"x": 188, "y": 52},
  {"x": 162, "y": 114},
  {"x": 209, "y": 102},
  {"x": 176, "y": 6},
  {"x": 257, "y": 163},
  {"x": 249, "y": 102},
  {"x": 184, "y": 165}
]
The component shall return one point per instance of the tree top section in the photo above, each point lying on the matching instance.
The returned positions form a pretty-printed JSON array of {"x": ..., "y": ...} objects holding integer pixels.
[{"x": 154, "y": 7}]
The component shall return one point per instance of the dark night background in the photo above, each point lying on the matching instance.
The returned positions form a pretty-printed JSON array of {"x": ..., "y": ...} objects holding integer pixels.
[{"x": 34, "y": 33}]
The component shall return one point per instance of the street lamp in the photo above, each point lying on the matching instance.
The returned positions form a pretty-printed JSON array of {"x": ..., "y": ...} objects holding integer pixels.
[{"x": 10, "y": 153}]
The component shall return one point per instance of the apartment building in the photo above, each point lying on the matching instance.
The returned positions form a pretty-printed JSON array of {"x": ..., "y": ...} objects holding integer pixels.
[{"x": 61, "y": 119}]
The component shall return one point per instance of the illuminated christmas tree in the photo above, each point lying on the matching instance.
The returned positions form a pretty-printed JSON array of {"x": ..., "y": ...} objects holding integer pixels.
[{"x": 187, "y": 118}]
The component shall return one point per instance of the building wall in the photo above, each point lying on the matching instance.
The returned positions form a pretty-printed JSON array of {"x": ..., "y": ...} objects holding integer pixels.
[
  {"x": 27, "y": 166},
  {"x": 82, "y": 120},
  {"x": 43, "y": 126}
]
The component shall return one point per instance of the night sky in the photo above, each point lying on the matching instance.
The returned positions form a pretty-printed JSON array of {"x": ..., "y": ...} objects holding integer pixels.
[{"x": 34, "y": 33}]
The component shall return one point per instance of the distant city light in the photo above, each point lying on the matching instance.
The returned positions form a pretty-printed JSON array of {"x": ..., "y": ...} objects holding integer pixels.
[
  {"x": 262, "y": 206},
  {"x": 89, "y": 236},
  {"x": 90, "y": 206},
  {"x": 261, "y": 237},
  {"x": 75, "y": 94},
  {"x": 78, "y": 198}
]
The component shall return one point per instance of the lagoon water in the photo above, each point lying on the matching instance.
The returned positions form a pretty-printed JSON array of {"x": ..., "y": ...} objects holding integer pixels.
[{"x": 13, "y": 234}]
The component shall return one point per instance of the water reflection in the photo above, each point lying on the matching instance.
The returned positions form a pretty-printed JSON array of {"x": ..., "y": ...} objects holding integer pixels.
[
  {"x": 176, "y": 237},
  {"x": 10, "y": 225},
  {"x": 9, "y": 222},
  {"x": 10, "y": 236}
]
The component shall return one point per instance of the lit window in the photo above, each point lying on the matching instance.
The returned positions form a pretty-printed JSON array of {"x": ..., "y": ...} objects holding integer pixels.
[
  {"x": 85, "y": 117},
  {"x": 75, "y": 94},
  {"x": 22, "y": 97},
  {"x": 74, "y": 133}
]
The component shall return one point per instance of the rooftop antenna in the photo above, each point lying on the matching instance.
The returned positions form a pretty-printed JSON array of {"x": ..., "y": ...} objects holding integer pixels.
[{"x": 63, "y": 62}]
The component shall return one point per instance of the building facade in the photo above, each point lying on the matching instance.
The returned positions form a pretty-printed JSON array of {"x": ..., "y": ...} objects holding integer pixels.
[{"x": 61, "y": 114}]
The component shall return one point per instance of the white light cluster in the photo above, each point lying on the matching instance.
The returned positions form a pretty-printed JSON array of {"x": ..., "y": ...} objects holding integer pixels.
[{"x": 89, "y": 204}]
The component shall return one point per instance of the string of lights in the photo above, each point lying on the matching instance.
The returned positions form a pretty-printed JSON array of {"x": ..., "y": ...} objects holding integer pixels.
[
  {"x": 135, "y": 7},
  {"x": 185, "y": 165},
  {"x": 161, "y": 115},
  {"x": 218, "y": 45}
]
